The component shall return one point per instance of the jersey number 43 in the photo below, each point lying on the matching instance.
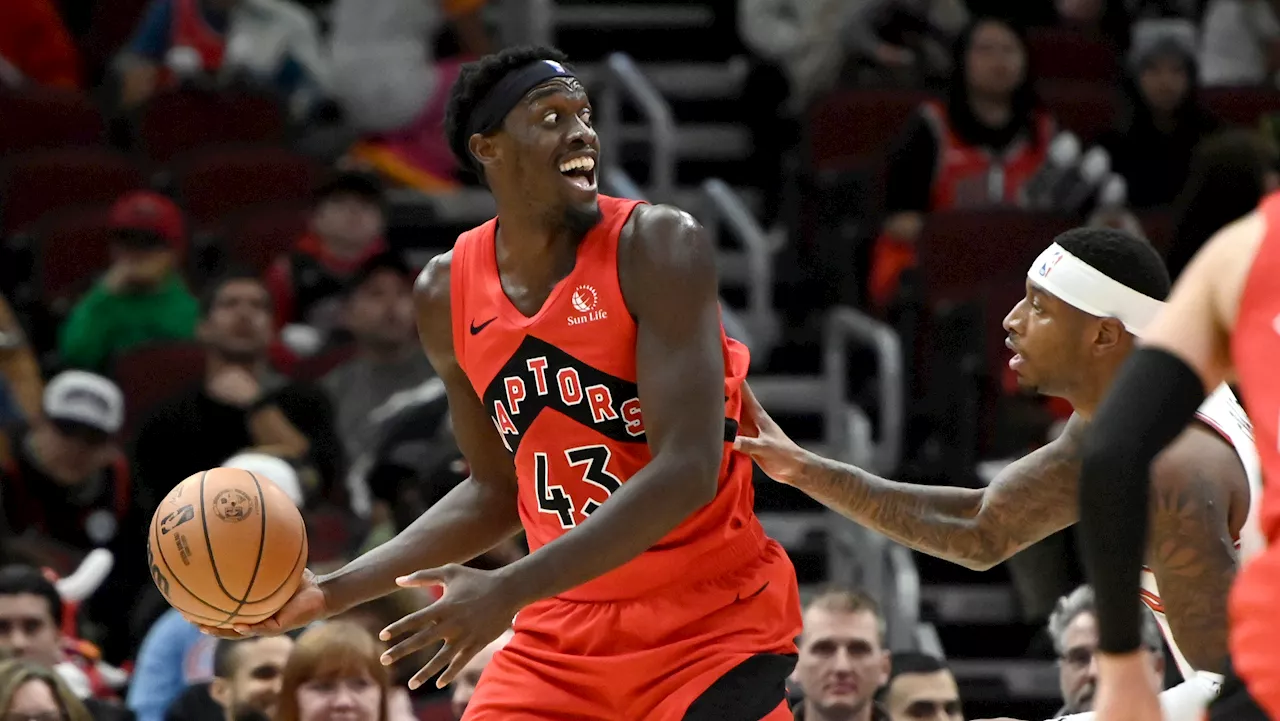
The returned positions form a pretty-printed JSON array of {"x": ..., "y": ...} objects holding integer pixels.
[{"x": 594, "y": 461}]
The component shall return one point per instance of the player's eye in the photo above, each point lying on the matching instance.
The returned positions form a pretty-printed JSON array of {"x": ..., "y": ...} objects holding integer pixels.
[
  {"x": 586, "y": 115},
  {"x": 551, "y": 118}
]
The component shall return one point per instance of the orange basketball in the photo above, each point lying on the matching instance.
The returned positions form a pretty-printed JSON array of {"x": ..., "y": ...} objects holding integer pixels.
[{"x": 227, "y": 546}]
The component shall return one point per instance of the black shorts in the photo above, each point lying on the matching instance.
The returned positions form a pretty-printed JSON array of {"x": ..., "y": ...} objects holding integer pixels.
[{"x": 1234, "y": 702}]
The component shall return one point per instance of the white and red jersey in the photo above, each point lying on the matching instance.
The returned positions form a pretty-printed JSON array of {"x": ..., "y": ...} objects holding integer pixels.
[{"x": 1224, "y": 414}]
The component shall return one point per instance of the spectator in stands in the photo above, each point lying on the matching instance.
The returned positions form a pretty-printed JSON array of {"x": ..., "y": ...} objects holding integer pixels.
[
  {"x": 67, "y": 490},
  {"x": 393, "y": 90},
  {"x": 247, "y": 676},
  {"x": 142, "y": 296},
  {"x": 1151, "y": 146},
  {"x": 843, "y": 660},
  {"x": 376, "y": 615},
  {"x": 1230, "y": 173},
  {"x": 907, "y": 41},
  {"x": 240, "y": 405},
  {"x": 19, "y": 370},
  {"x": 921, "y": 688},
  {"x": 378, "y": 313},
  {"x": 1073, "y": 626},
  {"x": 35, "y": 46},
  {"x": 977, "y": 149},
  {"x": 347, "y": 224},
  {"x": 31, "y": 614},
  {"x": 272, "y": 42},
  {"x": 334, "y": 670},
  {"x": 465, "y": 684},
  {"x": 1240, "y": 43},
  {"x": 30, "y": 690}
]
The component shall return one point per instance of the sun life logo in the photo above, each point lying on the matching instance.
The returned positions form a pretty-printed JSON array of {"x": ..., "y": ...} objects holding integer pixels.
[{"x": 584, "y": 301}]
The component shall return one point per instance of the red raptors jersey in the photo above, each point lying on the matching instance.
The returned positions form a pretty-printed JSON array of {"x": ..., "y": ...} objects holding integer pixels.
[
  {"x": 969, "y": 176},
  {"x": 561, "y": 389},
  {"x": 1255, "y": 348}
]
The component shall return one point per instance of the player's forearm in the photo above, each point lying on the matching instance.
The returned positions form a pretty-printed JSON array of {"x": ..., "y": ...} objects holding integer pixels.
[
  {"x": 1184, "y": 702},
  {"x": 469, "y": 520},
  {"x": 638, "y": 515},
  {"x": 942, "y": 521}
]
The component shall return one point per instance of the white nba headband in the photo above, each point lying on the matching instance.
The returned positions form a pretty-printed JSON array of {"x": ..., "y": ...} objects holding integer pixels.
[{"x": 1085, "y": 288}]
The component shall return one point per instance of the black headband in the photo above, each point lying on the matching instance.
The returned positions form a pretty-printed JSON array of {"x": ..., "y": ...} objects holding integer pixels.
[{"x": 499, "y": 101}]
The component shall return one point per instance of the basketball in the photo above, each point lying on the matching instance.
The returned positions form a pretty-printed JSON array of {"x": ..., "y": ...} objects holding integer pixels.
[{"x": 227, "y": 546}]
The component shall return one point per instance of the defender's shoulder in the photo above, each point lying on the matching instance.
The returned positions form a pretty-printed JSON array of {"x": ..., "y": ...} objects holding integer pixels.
[{"x": 432, "y": 288}]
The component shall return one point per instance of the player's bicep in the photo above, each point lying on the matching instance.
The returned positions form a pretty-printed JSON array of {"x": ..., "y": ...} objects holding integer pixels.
[
  {"x": 477, "y": 437},
  {"x": 1037, "y": 495},
  {"x": 670, "y": 286}
]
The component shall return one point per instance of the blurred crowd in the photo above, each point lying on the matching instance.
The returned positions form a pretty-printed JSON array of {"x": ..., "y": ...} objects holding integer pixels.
[{"x": 196, "y": 273}]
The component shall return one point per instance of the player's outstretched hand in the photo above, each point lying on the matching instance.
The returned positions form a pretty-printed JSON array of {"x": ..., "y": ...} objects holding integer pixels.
[
  {"x": 1124, "y": 693},
  {"x": 776, "y": 454},
  {"x": 475, "y": 609},
  {"x": 307, "y": 604}
]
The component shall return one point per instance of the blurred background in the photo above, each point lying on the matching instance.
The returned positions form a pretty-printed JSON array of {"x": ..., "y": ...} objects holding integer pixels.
[{"x": 210, "y": 207}]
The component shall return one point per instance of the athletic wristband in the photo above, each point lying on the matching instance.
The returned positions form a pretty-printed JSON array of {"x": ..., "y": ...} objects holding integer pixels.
[{"x": 1151, "y": 401}]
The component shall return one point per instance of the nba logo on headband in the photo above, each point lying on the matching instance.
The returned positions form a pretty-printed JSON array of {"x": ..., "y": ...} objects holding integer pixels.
[
  {"x": 556, "y": 66},
  {"x": 1051, "y": 259}
]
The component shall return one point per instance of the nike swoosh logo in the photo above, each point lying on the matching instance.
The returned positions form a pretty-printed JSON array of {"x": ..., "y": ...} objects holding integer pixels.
[
  {"x": 757, "y": 593},
  {"x": 477, "y": 328}
]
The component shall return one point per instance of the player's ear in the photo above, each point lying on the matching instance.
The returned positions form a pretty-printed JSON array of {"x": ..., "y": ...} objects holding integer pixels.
[
  {"x": 484, "y": 148},
  {"x": 1110, "y": 334}
]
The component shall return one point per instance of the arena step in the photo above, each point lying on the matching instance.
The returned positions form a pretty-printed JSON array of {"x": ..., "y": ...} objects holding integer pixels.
[
  {"x": 971, "y": 604},
  {"x": 593, "y": 15},
  {"x": 680, "y": 81}
]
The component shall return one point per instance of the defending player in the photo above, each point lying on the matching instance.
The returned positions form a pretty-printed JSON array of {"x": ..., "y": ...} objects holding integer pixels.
[
  {"x": 651, "y": 590},
  {"x": 1222, "y": 322},
  {"x": 1088, "y": 296}
]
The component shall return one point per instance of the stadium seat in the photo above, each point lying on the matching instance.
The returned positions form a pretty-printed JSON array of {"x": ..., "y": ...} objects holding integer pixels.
[
  {"x": 1085, "y": 108},
  {"x": 854, "y": 127},
  {"x": 255, "y": 237},
  {"x": 32, "y": 185},
  {"x": 153, "y": 373},
  {"x": 317, "y": 366},
  {"x": 70, "y": 249},
  {"x": 1067, "y": 54},
  {"x": 186, "y": 119},
  {"x": 1242, "y": 106},
  {"x": 40, "y": 118},
  {"x": 214, "y": 182}
]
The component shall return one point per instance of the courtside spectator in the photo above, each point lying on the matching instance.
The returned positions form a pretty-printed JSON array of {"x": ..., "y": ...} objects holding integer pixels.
[
  {"x": 142, "y": 296},
  {"x": 1073, "y": 626},
  {"x": 35, "y": 46},
  {"x": 334, "y": 671},
  {"x": 347, "y": 225},
  {"x": 843, "y": 661},
  {"x": 31, "y": 690},
  {"x": 921, "y": 688},
  {"x": 241, "y": 404},
  {"x": 247, "y": 675},
  {"x": 275, "y": 43}
]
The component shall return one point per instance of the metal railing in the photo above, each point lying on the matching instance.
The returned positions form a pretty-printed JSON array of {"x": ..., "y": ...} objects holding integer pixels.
[
  {"x": 527, "y": 22},
  {"x": 724, "y": 208},
  {"x": 847, "y": 426},
  {"x": 623, "y": 78}
]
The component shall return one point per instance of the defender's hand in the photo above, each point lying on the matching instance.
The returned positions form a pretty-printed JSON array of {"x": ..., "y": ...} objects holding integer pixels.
[{"x": 776, "y": 454}]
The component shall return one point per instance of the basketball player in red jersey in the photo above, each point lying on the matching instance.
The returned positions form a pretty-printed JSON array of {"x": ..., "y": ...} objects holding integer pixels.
[
  {"x": 596, "y": 397},
  {"x": 1222, "y": 322}
]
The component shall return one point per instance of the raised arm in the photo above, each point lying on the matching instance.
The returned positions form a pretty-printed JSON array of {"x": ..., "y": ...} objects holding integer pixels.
[
  {"x": 667, "y": 269},
  {"x": 478, "y": 513},
  {"x": 1031, "y": 499}
]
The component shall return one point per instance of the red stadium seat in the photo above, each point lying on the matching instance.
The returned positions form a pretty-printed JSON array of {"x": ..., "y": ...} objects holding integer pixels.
[
  {"x": 151, "y": 374},
  {"x": 1085, "y": 108},
  {"x": 70, "y": 248},
  {"x": 186, "y": 119},
  {"x": 317, "y": 366},
  {"x": 853, "y": 127},
  {"x": 1242, "y": 106},
  {"x": 39, "y": 118},
  {"x": 1070, "y": 55},
  {"x": 216, "y": 182},
  {"x": 35, "y": 184},
  {"x": 256, "y": 237}
]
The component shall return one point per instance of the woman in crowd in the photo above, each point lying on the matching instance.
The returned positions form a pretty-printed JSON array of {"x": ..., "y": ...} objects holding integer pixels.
[
  {"x": 32, "y": 692},
  {"x": 334, "y": 672}
]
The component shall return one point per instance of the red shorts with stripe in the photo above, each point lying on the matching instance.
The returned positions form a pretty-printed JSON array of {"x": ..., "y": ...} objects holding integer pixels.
[
  {"x": 1255, "y": 630},
  {"x": 718, "y": 649}
]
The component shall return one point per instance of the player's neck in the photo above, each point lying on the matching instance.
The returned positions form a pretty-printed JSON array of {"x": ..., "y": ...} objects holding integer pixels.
[
  {"x": 1088, "y": 394},
  {"x": 528, "y": 245}
]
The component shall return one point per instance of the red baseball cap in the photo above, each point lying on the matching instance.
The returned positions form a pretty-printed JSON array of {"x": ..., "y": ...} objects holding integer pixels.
[{"x": 151, "y": 212}]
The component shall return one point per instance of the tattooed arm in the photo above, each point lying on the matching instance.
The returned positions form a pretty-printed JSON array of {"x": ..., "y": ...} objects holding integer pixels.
[
  {"x": 1031, "y": 499},
  {"x": 1189, "y": 543}
]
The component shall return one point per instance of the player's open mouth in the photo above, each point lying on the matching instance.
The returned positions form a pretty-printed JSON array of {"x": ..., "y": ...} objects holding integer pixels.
[
  {"x": 1016, "y": 360},
  {"x": 580, "y": 171}
]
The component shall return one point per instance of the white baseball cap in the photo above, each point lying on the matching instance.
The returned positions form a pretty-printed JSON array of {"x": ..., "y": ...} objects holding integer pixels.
[
  {"x": 276, "y": 470},
  {"x": 86, "y": 399}
]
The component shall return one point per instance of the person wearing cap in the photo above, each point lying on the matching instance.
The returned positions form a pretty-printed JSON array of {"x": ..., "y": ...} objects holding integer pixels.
[
  {"x": 1151, "y": 146},
  {"x": 142, "y": 296},
  {"x": 347, "y": 224},
  {"x": 66, "y": 489}
]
